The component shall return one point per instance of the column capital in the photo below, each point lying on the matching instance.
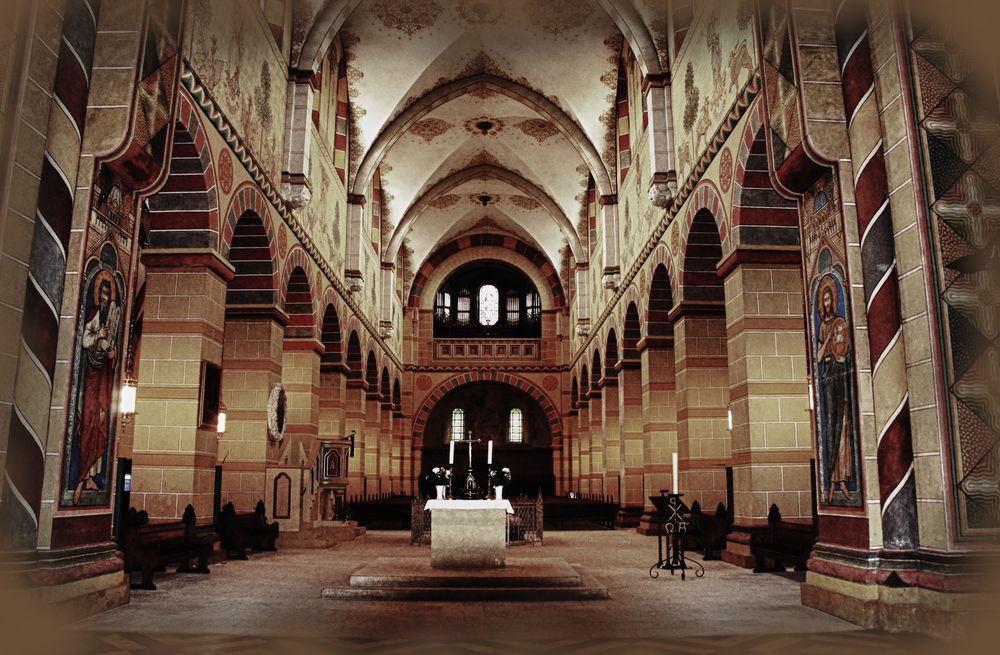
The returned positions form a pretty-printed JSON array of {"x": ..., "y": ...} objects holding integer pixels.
[
  {"x": 189, "y": 259},
  {"x": 783, "y": 256},
  {"x": 655, "y": 80},
  {"x": 257, "y": 312},
  {"x": 356, "y": 199}
]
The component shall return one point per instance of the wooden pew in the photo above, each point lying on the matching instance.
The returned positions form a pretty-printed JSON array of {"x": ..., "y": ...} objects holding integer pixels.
[
  {"x": 707, "y": 532},
  {"x": 151, "y": 547},
  {"x": 782, "y": 544},
  {"x": 239, "y": 532}
]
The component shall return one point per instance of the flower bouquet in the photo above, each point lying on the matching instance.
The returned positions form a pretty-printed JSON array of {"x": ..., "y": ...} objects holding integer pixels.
[
  {"x": 439, "y": 476},
  {"x": 499, "y": 478}
]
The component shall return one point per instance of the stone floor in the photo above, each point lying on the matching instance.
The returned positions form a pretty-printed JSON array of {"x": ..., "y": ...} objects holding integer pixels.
[{"x": 273, "y": 602}]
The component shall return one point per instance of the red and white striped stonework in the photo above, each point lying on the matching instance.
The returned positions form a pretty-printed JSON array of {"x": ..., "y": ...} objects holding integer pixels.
[
  {"x": 897, "y": 488},
  {"x": 22, "y": 493}
]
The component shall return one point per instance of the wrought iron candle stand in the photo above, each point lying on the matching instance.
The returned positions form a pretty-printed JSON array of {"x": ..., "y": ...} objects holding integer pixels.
[{"x": 669, "y": 539}]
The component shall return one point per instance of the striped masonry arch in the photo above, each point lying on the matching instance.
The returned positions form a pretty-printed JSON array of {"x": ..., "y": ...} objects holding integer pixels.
[
  {"x": 441, "y": 254},
  {"x": 897, "y": 487},
  {"x": 29, "y": 420},
  {"x": 760, "y": 216},
  {"x": 462, "y": 379},
  {"x": 184, "y": 212}
]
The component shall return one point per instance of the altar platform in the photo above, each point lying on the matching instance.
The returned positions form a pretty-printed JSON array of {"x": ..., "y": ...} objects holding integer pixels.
[{"x": 522, "y": 579}]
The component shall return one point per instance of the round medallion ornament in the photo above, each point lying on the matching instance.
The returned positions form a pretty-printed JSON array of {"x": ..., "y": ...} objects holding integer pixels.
[
  {"x": 423, "y": 382},
  {"x": 726, "y": 169},
  {"x": 225, "y": 171},
  {"x": 277, "y": 412},
  {"x": 282, "y": 241},
  {"x": 550, "y": 382}
]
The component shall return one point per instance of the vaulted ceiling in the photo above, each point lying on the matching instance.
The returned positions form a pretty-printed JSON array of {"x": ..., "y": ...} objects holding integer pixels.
[{"x": 481, "y": 113}]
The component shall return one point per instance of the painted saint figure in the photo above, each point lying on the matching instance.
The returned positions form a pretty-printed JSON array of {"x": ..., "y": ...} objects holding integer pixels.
[
  {"x": 100, "y": 336},
  {"x": 833, "y": 357}
]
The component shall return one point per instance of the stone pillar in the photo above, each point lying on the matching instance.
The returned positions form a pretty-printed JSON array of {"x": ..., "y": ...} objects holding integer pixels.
[
  {"x": 388, "y": 463},
  {"x": 251, "y": 365},
  {"x": 332, "y": 398},
  {"x": 702, "y": 368},
  {"x": 611, "y": 427},
  {"x": 400, "y": 454},
  {"x": 771, "y": 436},
  {"x": 354, "y": 421},
  {"x": 659, "y": 421},
  {"x": 174, "y": 453},
  {"x": 630, "y": 414},
  {"x": 372, "y": 436},
  {"x": 596, "y": 476},
  {"x": 581, "y": 446},
  {"x": 300, "y": 375}
]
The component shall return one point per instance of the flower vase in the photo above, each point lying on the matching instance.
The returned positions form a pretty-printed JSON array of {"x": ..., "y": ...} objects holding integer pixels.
[
  {"x": 498, "y": 492},
  {"x": 440, "y": 491}
]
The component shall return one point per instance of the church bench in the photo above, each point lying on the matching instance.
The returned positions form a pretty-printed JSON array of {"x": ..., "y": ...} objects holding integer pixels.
[
  {"x": 707, "y": 532},
  {"x": 250, "y": 530},
  {"x": 781, "y": 544},
  {"x": 149, "y": 548}
]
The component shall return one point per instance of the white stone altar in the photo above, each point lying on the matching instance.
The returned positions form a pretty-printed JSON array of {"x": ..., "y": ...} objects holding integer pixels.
[{"x": 468, "y": 534}]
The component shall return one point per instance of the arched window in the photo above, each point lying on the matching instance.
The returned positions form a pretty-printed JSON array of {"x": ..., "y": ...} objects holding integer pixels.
[
  {"x": 457, "y": 423},
  {"x": 516, "y": 432},
  {"x": 488, "y": 299},
  {"x": 513, "y": 308},
  {"x": 442, "y": 307},
  {"x": 489, "y": 305},
  {"x": 533, "y": 304},
  {"x": 463, "y": 308}
]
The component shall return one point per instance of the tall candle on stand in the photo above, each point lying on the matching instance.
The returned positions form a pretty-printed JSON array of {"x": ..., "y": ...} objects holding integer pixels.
[
  {"x": 451, "y": 452},
  {"x": 674, "y": 462},
  {"x": 489, "y": 452}
]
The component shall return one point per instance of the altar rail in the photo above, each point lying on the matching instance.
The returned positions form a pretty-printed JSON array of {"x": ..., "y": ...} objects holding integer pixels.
[
  {"x": 524, "y": 526},
  {"x": 495, "y": 349}
]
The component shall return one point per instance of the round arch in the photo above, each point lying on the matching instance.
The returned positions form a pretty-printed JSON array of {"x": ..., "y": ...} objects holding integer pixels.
[
  {"x": 462, "y": 379},
  {"x": 519, "y": 261},
  {"x": 184, "y": 211},
  {"x": 486, "y": 240},
  {"x": 476, "y": 172},
  {"x": 454, "y": 89}
]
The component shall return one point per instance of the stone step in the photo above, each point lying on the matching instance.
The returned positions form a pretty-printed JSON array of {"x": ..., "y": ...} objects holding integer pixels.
[
  {"x": 523, "y": 579},
  {"x": 415, "y": 572},
  {"x": 466, "y": 594}
]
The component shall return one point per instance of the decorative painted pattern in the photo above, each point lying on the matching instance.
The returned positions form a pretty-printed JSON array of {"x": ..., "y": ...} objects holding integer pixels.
[
  {"x": 29, "y": 420},
  {"x": 229, "y": 134},
  {"x": 897, "y": 486}
]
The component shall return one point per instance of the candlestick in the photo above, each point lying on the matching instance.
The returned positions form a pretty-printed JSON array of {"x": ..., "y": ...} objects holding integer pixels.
[
  {"x": 674, "y": 462},
  {"x": 489, "y": 452},
  {"x": 451, "y": 452}
]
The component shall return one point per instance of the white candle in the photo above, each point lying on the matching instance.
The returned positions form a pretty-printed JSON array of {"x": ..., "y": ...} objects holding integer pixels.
[
  {"x": 489, "y": 452},
  {"x": 451, "y": 452},
  {"x": 674, "y": 462}
]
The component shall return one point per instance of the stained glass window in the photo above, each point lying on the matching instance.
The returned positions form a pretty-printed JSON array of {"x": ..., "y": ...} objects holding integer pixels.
[
  {"x": 457, "y": 423},
  {"x": 489, "y": 305},
  {"x": 516, "y": 426}
]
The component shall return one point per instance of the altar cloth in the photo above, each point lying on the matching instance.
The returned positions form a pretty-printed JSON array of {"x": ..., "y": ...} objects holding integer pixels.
[{"x": 469, "y": 504}]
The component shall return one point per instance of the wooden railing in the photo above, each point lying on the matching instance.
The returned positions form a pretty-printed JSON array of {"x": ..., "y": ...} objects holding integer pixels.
[{"x": 493, "y": 349}]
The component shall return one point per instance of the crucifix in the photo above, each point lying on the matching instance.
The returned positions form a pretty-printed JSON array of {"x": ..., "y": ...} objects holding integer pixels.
[{"x": 471, "y": 488}]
